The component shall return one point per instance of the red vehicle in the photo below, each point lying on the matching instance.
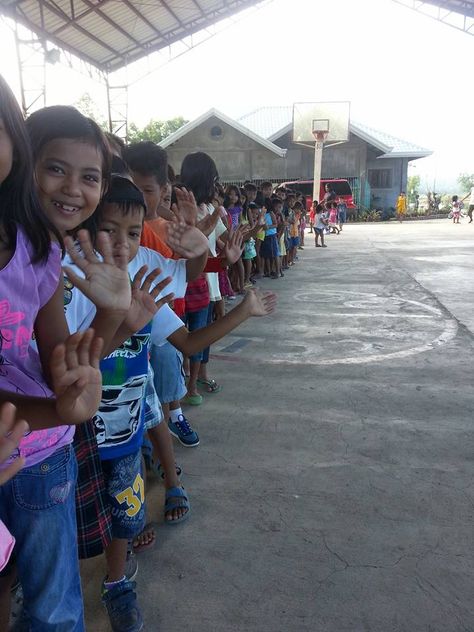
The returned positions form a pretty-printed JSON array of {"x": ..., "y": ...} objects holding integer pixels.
[{"x": 341, "y": 188}]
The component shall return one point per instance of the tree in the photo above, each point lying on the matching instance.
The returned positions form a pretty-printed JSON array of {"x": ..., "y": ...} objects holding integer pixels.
[
  {"x": 466, "y": 181},
  {"x": 87, "y": 106},
  {"x": 413, "y": 186},
  {"x": 154, "y": 130}
]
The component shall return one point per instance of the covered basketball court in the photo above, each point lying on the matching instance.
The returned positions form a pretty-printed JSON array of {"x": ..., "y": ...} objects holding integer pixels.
[{"x": 333, "y": 490}]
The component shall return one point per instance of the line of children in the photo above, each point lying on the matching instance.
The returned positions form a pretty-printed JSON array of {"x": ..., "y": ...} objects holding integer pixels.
[{"x": 118, "y": 287}]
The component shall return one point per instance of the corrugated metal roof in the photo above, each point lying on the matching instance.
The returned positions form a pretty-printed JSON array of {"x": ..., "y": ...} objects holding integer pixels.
[
  {"x": 109, "y": 33},
  {"x": 271, "y": 122}
]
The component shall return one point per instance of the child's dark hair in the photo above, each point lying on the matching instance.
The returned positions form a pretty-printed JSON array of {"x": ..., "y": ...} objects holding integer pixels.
[
  {"x": 199, "y": 174},
  {"x": 147, "y": 159},
  {"x": 266, "y": 184},
  {"x": 455, "y": 198},
  {"x": 64, "y": 121},
  {"x": 124, "y": 194},
  {"x": 320, "y": 208},
  {"x": 297, "y": 206},
  {"x": 250, "y": 186},
  {"x": 19, "y": 203},
  {"x": 116, "y": 143},
  {"x": 229, "y": 189},
  {"x": 171, "y": 175},
  {"x": 276, "y": 202},
  {"x": 219, "y": 190}
]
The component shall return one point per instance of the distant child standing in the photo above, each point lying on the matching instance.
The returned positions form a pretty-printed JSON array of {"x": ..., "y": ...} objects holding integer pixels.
[
  {"x": 456, "y": 209},
  {"x": 269, "y": 250},
  {"x": 401, "y": 206},
  {"x": 333, "y": 218},
  {"x": 320, "y": 224},
  {"x": 341, "y": 212}
]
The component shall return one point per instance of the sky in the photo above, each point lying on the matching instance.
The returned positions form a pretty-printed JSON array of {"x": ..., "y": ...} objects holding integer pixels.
[{"x": 403, "y": 73}]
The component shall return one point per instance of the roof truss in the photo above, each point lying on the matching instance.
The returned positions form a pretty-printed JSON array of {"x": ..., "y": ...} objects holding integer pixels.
[
  {"x": 109, "y": 34},
  {"x": 456, "y": 13}
]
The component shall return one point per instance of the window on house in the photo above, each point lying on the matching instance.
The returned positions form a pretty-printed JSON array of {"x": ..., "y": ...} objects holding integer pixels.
[
  {"x": 217, "y": 132},
  {"x": 380, "y": 178}
]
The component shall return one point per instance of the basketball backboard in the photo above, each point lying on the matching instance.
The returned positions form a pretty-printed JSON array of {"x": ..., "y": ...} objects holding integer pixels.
[{"x": 329, "y": 116}]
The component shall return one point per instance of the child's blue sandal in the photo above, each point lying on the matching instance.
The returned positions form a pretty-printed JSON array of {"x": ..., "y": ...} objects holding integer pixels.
[{"x": 176, "y": 498}]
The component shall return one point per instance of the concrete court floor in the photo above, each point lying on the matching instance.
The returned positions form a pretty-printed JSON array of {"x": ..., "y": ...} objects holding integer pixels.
[{"x": 333, "y": 488}]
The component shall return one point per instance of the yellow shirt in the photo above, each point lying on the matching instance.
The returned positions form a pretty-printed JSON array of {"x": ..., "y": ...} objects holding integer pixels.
[{"x": 401, "y": 204}]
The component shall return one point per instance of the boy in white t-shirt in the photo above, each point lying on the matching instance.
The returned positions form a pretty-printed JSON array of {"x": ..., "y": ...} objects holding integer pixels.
[{"x": 119, "y": 420}]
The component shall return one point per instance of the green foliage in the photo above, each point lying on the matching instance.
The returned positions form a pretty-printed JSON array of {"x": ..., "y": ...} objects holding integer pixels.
[
  {"x": 368, "y": 215},
  {"x": 466, "y": 181},
  {"x": 87, "y": 106},
  {"x": 154, "y": 130},
  {"x": 413, "y": 187}
]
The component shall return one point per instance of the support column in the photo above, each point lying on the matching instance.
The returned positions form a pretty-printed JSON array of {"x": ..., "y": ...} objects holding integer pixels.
[
  {"x": 31, "y": 60},
  {"x": 117, "y": 103}
]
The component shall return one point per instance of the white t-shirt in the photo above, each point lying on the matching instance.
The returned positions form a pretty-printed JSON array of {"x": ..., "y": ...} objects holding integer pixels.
[
  {"x": 80, "y": 311},
  {"x": 212, "y": 277},
  {"x": 319, "y": 221}
]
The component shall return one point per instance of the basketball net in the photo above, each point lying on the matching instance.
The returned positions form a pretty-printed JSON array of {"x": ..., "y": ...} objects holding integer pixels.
[{"x": 320, "y": 136}]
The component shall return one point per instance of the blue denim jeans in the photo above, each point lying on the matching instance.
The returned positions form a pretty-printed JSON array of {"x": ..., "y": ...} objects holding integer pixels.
[
  {"x": 197, "y": 320},
  {"x": 38, "y": 507}
]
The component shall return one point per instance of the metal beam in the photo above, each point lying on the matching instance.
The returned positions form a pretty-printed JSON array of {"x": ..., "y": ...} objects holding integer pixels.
[{"x": 458, "y": 15}]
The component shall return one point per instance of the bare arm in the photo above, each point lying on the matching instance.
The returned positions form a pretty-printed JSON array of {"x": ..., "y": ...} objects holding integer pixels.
[{"x": 254, "y": 304}]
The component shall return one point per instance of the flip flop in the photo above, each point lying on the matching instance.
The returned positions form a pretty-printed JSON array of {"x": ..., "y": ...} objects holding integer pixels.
[
  {"x": 211, "y": 386},
  {"x": 176, "y": 497},
  {"x": 193, "y": 400}
]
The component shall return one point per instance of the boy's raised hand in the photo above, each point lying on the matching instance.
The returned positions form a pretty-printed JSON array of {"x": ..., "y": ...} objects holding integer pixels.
[
  {"x": 259, "y": 303},
  {"x": 11, "y": 432},
  {"x": 145, "y": 302},
  {"x": 234, "y": 245},
  {"x": 76, "y": 377},
  {"x": 185, "y": 209},
  {"x": 106, "y": 282},
  {"x": 186, "y": 241}
]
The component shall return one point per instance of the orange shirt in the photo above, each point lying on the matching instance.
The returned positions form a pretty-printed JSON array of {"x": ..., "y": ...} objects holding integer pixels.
[{"x": 152, "y": 238}]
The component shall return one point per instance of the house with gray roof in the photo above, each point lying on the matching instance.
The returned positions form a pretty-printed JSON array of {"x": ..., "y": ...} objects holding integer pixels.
[{"x": 259, "y": 146}]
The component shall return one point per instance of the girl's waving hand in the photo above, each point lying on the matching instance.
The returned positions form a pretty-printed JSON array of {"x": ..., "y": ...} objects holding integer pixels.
[{"x": 76, "y": 377}]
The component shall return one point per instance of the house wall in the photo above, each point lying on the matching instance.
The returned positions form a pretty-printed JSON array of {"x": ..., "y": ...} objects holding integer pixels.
[
  {"x": 387, "y": 197},
  {"x": 237, "y": 156}
]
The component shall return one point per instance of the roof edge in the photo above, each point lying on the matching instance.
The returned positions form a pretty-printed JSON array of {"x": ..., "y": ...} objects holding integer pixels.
[
  {"x": 407, "y": 154},
  {"x": 189, "y": 127}
]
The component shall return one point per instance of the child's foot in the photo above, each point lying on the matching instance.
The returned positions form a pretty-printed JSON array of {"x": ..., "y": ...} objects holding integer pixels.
[
  {"x": 145, "y": 540},
  {"x": 120, "y": 600},
  {"x": 183, "y": 432},
  {"x": 177, "y": 506}
]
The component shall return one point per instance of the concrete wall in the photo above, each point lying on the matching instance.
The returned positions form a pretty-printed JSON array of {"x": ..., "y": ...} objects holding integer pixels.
[{"x": 237, "y": 156}]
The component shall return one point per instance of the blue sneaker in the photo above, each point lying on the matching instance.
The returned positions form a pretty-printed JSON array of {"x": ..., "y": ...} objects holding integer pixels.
[
  {"x": 122, "y": 607},
  {"x": 183, "y": 432}
]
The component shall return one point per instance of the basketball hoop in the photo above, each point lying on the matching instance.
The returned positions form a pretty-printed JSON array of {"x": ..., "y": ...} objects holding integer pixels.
[{"x": 320, "y": 136}]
